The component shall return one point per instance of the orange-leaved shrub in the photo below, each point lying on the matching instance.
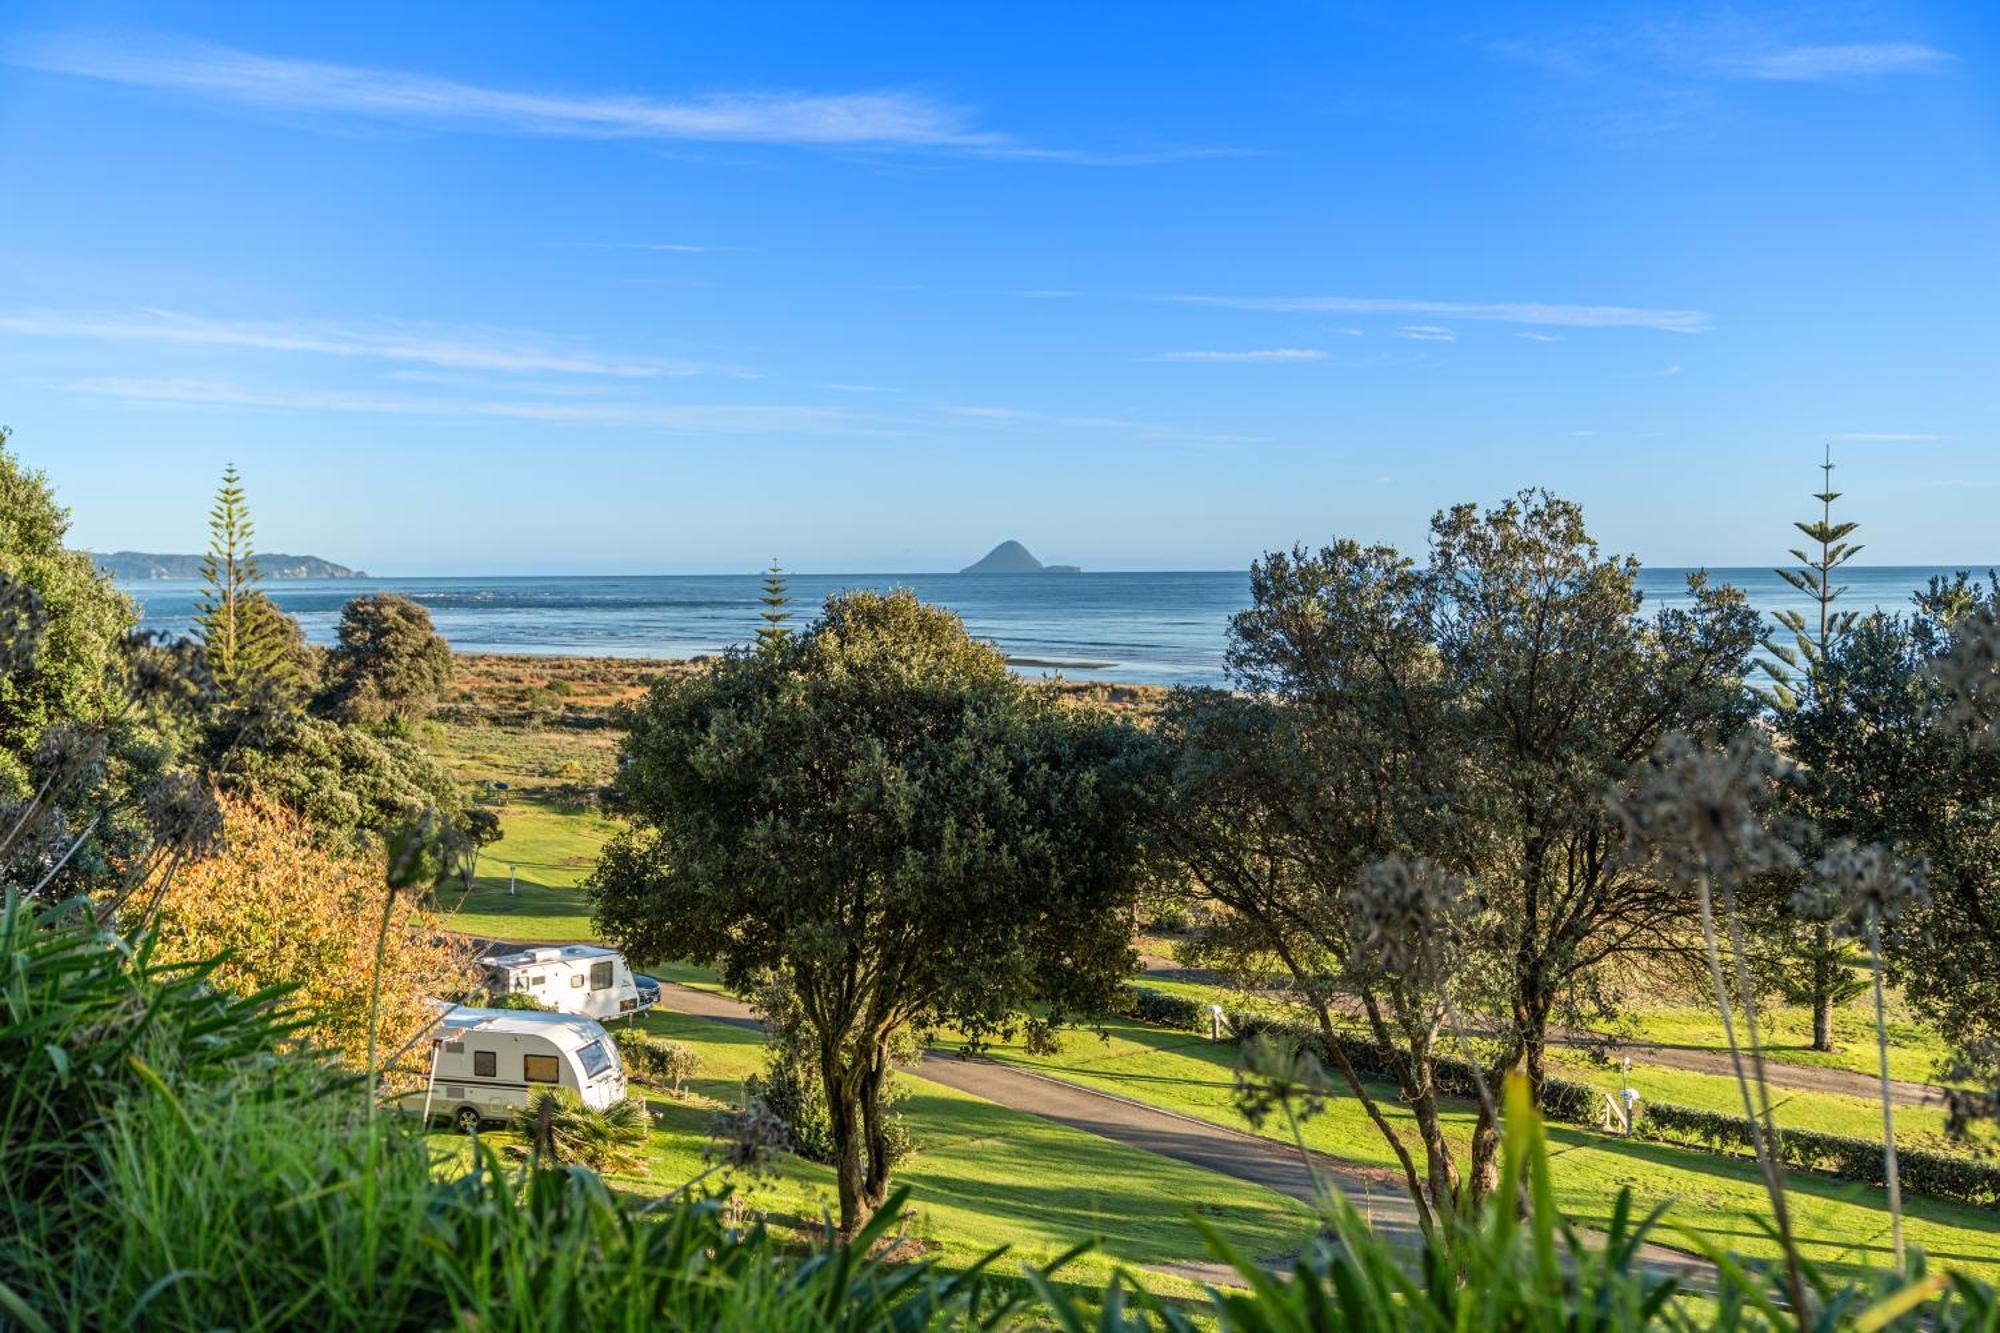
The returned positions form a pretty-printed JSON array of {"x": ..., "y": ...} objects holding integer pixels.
[{"x": 287, "y": 910}]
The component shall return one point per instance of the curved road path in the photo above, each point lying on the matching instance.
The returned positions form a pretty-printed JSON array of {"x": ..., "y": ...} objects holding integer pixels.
[
  {"x": 1378, "y": 1194},
  {"x": 1691, "y": 1059}
]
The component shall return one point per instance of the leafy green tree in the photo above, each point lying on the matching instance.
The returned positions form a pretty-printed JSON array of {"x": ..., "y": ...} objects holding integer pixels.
[
  {"x": 1894, "y": 763},
  {"x": 877, "y": 814},
  {"x": 69, "y": 619},
  {"x": 345, "y": 779},
  {"x": 252, "y": 648},
  {"x": 1805, "y": 961},
  {"x": 389, "y": 664},
  {"x": 1475, "y": 711},
  {"x": 777, "y": 608}
]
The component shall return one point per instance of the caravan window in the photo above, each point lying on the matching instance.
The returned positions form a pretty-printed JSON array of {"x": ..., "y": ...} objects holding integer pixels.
[
  {"x": 540, "y": 1069},
  {"x": 595, "y": 1061},
  {"x": 485, "y": 1064},
  {"x": 576, "y": 981},
  {"x": 600, "y": 975}
]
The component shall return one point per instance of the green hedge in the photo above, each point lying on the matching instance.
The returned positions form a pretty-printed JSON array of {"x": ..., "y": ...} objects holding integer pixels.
[
  {"x": 1163, "y": 1010},
  {"x": 1935, "y": 1175}
]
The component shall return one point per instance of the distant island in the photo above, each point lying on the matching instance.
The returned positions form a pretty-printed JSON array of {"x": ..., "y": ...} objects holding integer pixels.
[
  {"x": 134, "y": 566},
  {"x": 1010, "y": 557}
]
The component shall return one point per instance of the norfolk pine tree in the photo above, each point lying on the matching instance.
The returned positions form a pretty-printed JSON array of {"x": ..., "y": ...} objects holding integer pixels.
[
  {"x": 1809, "y": 964},
  {"x": 250, "y": 648}
]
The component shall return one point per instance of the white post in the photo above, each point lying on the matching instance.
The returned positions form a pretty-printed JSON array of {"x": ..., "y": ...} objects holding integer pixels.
[
  {"x": 510, "y": 879},
  {"x": 1215, "y": 1022},
  {"x": 430, "y": 1083}
]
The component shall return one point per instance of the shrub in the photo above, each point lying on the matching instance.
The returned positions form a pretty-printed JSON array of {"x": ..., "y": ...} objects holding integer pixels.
[
  {"x": 342, "y": 778},
  {"x": 516, "y": 999},
  {"x": 561, "y": 1131},
  {"x": 1934, "y": 1174},
  {"x": 389, "y": 665},
  {"x": 277, "y": 909},
  {"x": 656, "y": 1061},
  {"x": 1164, "y": 1010},
  {"x": 790, "y": 1089}
]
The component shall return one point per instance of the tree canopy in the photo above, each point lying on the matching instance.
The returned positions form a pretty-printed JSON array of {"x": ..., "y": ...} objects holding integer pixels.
[
  {"x": 255, "y": 651},
  {"x": 876, "y": 813},
  {"x": 1470, "y": 713},
  {"x": 389, "y": 664},
  {"x": 73, "y": 615}
]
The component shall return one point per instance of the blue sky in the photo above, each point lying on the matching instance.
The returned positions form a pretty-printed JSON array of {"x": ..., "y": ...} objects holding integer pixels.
[{"x": 525, "y": 288}]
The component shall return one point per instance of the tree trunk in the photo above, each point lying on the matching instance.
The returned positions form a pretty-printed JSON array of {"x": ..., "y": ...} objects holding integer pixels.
[
  {"x": 1534, "y": 1043},
  {"x": 1485, "y": 1162},
  {"x": 1824, "y": 972},
  {"x": 843, "y": 1115},
  {"x": 874, "y": 1127}
]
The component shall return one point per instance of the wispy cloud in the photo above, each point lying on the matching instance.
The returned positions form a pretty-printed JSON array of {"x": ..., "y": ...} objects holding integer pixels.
[
  {"x": 1889, "y": 437},
  {"x": 1719, "y": 48},
  {"x": 663, "y": 247},
  {"x": 992, "y": 413},
  {"x": 420, "y": 345},
  {"x": 731, "y": 418},
  {"x": 1507, "y": 312},
  {"x": 1020, "y": 418},
  {"x": 1428, "y": 333},
  {"x": 879, "y": 120},
  {"x": 1535, "y": 337},
  {"x": 1258, "y": 354},
  {"x": 1674, "y": 369},
  {"x": 1843, "y": 60}
]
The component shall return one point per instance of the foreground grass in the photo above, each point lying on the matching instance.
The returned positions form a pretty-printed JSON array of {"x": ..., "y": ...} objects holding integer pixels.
[
  {"x": 1843, "y": 1226},
  {"x": 984, "y": 1177}
]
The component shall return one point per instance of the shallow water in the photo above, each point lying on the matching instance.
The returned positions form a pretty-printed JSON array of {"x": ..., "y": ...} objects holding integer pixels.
[{"x": 1154, "y": 628}]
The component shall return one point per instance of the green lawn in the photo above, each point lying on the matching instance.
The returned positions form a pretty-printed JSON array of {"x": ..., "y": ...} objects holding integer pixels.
[
  {"x": 974, "y": 1200},
  {"x": 552, "y": 851},
  {"x": 1841, "y": 1225},
  {"x": 984, "y": 1176},
  {"x": 1832, "y": 1113},
  {"x": 1787, "y": 1030},
  {"x": 1914, "y": 1051}
]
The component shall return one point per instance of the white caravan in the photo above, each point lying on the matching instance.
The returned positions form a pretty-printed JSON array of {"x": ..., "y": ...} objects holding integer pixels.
[
  {"x": 572, "y": 979},
  {"x": 489, "y": 1062}
]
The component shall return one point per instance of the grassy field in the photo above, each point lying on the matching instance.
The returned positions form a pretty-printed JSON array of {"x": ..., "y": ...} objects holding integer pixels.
[
  {"x": 986, "y": 1176},
  {"x": 983, "y": 1177},
  {"x": 1914, "y": 1050},
  {"x": 1843, "y": 1225},
  {"x": 551, "y": 851}
]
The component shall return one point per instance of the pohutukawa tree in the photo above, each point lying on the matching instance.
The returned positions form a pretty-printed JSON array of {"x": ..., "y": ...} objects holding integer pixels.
[
  {"x": 389, "y": 664},
  {"x": 877, "y": 814},
  {"x": 1474, "y": 711}
]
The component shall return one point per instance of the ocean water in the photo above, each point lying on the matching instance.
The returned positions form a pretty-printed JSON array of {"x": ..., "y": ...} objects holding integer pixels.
[{"x": 1142, "y": 628}]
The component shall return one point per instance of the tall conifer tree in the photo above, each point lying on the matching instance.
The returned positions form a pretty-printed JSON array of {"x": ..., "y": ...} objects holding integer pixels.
[
  {"x": 777, "y": 608},
  {"x": 1812, "y": 966},
  {"x": 244, "y": 635},
  {"x": 1794, "y": 667}
]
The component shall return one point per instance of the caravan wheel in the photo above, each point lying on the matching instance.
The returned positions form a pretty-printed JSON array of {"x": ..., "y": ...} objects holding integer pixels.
[{"x": 467, "y": 1119}]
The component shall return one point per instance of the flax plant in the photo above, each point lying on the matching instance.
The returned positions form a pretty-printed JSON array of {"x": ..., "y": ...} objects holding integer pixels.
[
  {"x": 1860, "y": 890},
  {"x": 1696, "y": 812}
]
